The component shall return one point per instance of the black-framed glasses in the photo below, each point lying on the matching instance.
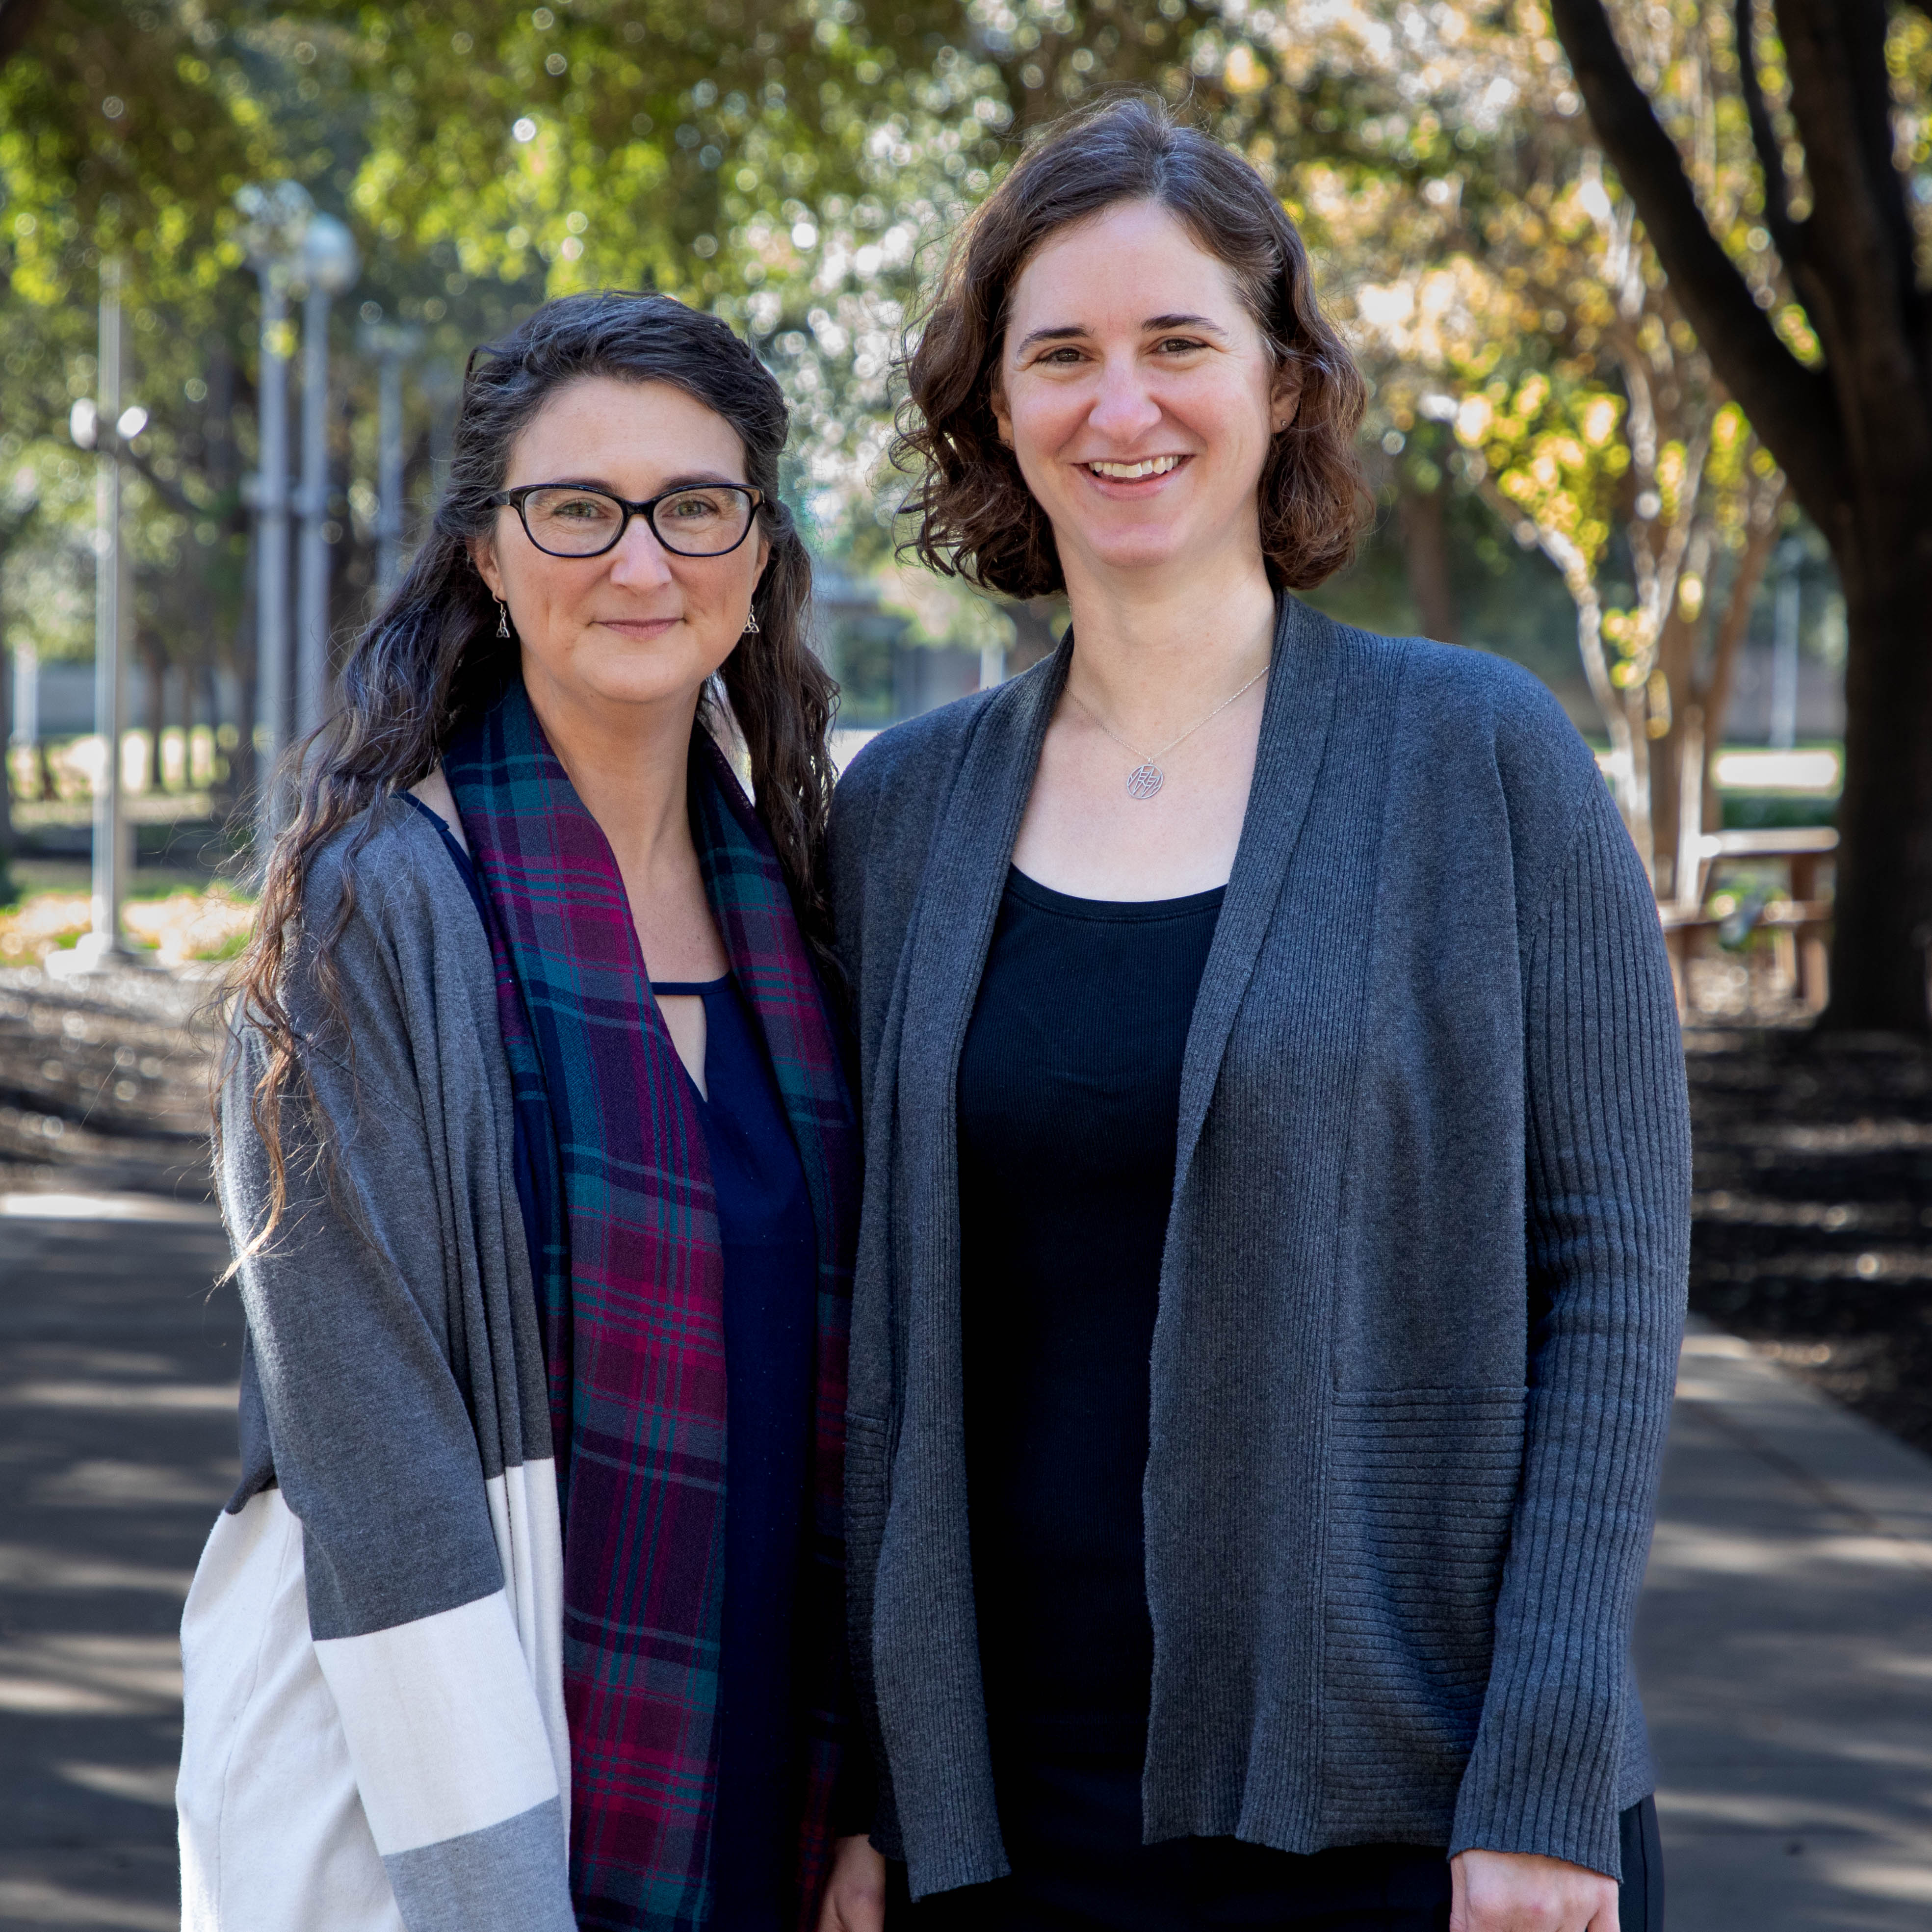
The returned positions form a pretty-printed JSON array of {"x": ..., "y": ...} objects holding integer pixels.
[{"x": 573, "y": 520}]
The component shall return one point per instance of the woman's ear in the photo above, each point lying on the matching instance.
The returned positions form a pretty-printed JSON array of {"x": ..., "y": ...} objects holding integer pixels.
[
  {"x": 1002, "y": 416},
  {"x": 1284, "y": 395},
  {"x": 483, "y": 555}
]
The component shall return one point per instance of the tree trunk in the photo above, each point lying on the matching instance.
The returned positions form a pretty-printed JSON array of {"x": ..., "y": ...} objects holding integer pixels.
[
  {"x": 18, "y": 20},
  {"x": 1675, "y": 651},
  {"x": 6, "y": 848},
  {"x": 1421, "y": 519},
  {"x": 155, "y": 663},
  {"x": 1708, "y": 697},
  {"x": 1883, "y": 912},
  {"x": 1635, "y": 748},
  {"x": 238, "y": 782},
  {"x": 1853, "y": 434},
  {"x": 1714, "y": 695}
]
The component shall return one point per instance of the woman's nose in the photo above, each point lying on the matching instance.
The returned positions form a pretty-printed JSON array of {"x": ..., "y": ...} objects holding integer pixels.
[
  {"x": 1124, "y": 409},
  {"x": 639, "y": 559}
]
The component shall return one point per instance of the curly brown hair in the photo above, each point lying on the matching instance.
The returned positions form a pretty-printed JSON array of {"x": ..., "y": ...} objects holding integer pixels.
[{"x": 977, "y": 519}]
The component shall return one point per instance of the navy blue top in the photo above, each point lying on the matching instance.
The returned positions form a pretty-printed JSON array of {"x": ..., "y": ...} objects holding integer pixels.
[{"x": 771, "y": 1277}]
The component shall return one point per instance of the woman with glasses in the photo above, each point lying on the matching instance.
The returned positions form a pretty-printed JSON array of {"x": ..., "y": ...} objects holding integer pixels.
[
  {"x": 537, "y": 1153},
  {"x": 1276, "y": 1179}
]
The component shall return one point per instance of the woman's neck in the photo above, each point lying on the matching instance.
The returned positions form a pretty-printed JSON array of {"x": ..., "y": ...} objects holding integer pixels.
[
  {"x": 1153, "y": 649},
  {"x": 629, "y": 764}
]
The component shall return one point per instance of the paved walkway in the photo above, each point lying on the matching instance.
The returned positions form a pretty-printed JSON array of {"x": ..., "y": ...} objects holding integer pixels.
[
  {"x": 1785, "y": 1643},
  {"x": 1785, "y": 1648},
  {"x": 117, "y": 1448}
]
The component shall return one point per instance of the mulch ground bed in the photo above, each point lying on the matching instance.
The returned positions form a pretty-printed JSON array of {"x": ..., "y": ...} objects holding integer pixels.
[
  {"x": 1812, "y": 1235},
  {"x": 104, "y": 1081}
]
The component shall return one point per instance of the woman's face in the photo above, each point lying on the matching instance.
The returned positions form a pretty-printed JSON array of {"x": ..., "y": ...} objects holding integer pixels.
[
  {"x": 1138, "y": 394},
  {"x": 639, "y": 625}
]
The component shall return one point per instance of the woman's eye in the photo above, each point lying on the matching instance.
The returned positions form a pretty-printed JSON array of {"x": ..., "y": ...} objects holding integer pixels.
[
  {"x": 1180, "y": 345},
  {"x": 1061, "y": 358}
]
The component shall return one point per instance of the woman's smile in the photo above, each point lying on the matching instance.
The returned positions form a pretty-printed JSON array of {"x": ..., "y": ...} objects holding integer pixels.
[
  {"x": 640, "y": 627},
  {"x": 1139, "y": 476}
]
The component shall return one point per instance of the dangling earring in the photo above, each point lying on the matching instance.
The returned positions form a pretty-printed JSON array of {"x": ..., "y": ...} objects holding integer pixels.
[
  {"x": 502, "y": 618},
  {"x": 751, "y": 624}
]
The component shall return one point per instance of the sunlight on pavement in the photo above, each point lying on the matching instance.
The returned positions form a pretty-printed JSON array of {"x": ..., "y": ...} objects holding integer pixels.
[
  {"x": 1781, "y": 1649},
  {"x": 42, "y": 1902},
  {"x": 53, "y": 1207}
]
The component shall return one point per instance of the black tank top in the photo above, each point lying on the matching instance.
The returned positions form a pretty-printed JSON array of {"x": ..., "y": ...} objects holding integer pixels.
[{"x": 1069, "y": 1103}]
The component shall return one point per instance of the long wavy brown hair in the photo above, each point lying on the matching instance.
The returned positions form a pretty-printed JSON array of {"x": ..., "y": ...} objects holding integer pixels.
[
  {"x": 430, "y": 660},
  {"x": 976, "y": 518}
]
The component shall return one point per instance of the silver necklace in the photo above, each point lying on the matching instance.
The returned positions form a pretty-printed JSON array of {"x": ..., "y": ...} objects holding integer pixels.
[{"x": 1146, "y": 778}]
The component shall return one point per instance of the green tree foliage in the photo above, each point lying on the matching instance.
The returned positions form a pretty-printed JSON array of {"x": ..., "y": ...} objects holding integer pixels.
[{"x": 796, "y": 165}]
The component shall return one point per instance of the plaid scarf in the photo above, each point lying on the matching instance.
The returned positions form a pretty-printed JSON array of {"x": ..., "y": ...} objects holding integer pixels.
[{"x": 630, "y": 1288}]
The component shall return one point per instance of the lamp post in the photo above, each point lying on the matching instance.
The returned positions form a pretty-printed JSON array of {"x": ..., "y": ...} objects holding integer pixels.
[
  {"x": 391, "y": 345},
  {"x": 26, "y": 734},
  {"x": 442, "y": 388},
  {"x": 101, "y": 429},
  {"x": 328, "y": 264},
  {"x": 278, "y": 216}
]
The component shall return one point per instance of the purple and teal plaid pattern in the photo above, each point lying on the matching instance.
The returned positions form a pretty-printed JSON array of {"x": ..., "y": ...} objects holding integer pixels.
[{"x": 631, "y": 1297}]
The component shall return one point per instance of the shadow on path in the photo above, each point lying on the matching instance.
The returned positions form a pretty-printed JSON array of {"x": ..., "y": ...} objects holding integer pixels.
[
  {"x": 118, "y": 1369},
  {"x": 1785, "y": 1641},
  {"x": 1784, "y": 1646}
]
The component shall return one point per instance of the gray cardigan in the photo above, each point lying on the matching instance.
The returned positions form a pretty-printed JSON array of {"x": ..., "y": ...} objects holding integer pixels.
[
  {"x": 395, "y": 1402},
  {"x": 1420, "y": 1296}
]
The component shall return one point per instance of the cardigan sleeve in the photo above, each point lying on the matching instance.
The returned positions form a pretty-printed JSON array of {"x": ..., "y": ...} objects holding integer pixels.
[
  {"x": 1607, "y": 1153},
  {"x": 368, "y": 1407}
]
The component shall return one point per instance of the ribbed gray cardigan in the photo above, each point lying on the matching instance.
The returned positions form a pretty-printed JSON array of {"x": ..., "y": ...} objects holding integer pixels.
[{"x": 1422, "y": 1289}]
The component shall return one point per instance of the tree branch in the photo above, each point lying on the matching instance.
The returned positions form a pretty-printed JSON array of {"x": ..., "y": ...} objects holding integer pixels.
[
  {"x": 1787, "y": 234},
  {"x": 172, "y": 492},
  {"x": 1865, "y": 302},
  {"x": 18, "y": 20},
  {"x": 1793, "y": 408}
]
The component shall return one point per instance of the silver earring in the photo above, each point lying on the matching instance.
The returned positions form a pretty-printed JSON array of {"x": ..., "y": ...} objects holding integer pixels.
[
  {"x": 502, "y": 618},
  {"x": 751, "y": 624}
]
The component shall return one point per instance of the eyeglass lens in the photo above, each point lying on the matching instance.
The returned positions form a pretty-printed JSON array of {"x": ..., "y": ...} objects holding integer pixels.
[{"x": 582, "y": 523}]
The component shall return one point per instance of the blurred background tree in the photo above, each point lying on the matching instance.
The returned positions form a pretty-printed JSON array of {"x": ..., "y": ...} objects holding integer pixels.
[
  {"x": 797, "y": 165},
  {"x": 1817, "y": 315}
]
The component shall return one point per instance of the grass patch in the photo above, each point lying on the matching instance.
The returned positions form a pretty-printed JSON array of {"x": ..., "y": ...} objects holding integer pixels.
[{"x": 177, "y": 925}]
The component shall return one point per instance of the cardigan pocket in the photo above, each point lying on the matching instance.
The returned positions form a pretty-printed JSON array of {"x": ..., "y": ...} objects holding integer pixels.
[
  {"x": 1423, "y": 1486},
  {"x": 868, "y": 1485}
]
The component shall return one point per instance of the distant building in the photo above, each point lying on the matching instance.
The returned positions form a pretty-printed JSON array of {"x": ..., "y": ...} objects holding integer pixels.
[
  {"x": 885, "y": 674},
  {"x": 1820, "y": 710}
]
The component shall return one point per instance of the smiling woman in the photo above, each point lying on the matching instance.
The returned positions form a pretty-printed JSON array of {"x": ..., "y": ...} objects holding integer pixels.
[
  {"x": 536, "y": 1149},
  {"x": 1276, "y": 1174},
  {"x": 978, "y": 513}
]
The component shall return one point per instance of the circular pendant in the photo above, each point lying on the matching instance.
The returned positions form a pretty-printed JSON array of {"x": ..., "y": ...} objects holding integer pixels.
[{"x": 1143, "y": 781}]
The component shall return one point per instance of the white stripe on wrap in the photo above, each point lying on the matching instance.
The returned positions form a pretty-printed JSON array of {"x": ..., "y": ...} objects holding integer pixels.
[
  {"x": 446, "y": 1734},
  {"x": 273, "y": 1836},
  {"x": 529, "y": 1539}
]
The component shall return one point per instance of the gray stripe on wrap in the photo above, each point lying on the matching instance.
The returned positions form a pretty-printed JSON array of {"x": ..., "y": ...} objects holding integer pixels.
[
  {"x": 461, "y": 1883},
  {"x": 394, "y": 1353}
]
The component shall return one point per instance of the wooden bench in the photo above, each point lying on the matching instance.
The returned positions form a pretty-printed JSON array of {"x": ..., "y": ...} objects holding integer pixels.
[{"x": 1799, "y": 923}]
